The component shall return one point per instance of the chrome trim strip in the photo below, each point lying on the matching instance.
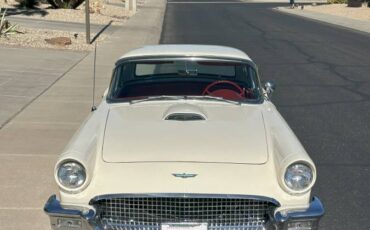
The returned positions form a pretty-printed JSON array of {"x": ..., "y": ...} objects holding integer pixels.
[
  {"x": 183, "y": 195},
  {"x": 221, "y": 227},
  {"x": 182, "y": 58},
  {"x": 53, "y": 208},
  {"x": 314, "y": 211}
]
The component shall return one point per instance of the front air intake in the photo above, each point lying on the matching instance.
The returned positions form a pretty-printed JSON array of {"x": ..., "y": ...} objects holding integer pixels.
[
  {"x": 184, "y": 117},
  {"x": 218, "y": 212}
]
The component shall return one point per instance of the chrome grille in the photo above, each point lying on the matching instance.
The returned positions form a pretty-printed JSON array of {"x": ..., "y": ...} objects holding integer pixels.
[{"x": 148, "y": 213}]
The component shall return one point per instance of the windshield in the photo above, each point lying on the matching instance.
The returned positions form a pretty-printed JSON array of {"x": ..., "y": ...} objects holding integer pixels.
[{"x": 208, "y": 79}]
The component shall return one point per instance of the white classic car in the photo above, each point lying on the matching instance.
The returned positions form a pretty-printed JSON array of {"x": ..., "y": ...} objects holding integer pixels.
[{"x": 185, "y": 138}]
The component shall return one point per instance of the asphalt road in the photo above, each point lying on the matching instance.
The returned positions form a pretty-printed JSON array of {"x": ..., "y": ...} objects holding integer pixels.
[{"x": 323, "y": 78}]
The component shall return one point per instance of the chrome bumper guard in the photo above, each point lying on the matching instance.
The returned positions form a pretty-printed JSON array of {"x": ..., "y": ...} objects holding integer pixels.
[
  {"x": 304, "y": 219},
  {"x": 68, "y": 219},
  {"x": 74, "y": 219}
]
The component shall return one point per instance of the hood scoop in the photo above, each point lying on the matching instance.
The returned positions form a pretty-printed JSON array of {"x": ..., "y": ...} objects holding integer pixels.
[
  {"x": 184, "y": 112},
  {"x": 185, "y": 117}
]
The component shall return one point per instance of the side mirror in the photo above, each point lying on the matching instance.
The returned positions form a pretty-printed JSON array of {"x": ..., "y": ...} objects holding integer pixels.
[{"x": 270, "y": 87}]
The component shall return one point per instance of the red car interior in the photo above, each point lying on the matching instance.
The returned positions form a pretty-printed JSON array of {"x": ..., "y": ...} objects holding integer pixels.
[{"x": 225, "y": 89}]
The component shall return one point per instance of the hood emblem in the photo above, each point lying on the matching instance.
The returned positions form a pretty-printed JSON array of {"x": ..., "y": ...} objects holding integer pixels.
[{"x": 184, "y": 175}]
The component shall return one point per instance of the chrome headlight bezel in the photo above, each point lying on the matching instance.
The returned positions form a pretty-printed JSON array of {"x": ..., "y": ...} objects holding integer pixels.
[
  {"x": 79, "y": 167},
  {"x": 303, "y": 166}
]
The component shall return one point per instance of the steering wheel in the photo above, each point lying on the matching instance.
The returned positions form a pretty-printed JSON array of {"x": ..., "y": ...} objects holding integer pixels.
[{"x": 225, "y": 93}]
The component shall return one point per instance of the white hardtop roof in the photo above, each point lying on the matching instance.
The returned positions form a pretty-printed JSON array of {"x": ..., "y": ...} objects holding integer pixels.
[{"x": 187, "y": 51}]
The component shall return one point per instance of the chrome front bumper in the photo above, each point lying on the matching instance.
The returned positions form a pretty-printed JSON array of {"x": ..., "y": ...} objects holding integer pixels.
[
  {"x": 300, "y": 220},
  {"x": 75, "y": 219}
]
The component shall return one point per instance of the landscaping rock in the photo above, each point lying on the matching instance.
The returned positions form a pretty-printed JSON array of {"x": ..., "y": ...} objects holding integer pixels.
[{"x": 59, "y": 41}]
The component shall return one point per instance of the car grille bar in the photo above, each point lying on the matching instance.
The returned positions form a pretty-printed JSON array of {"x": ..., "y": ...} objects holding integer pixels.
[{"x": 149, "y": 213}]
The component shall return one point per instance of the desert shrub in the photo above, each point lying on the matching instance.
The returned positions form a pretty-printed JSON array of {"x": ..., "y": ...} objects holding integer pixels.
[
  {"x": 65, "y": 4},
  {"x": 5, "y": 27}
]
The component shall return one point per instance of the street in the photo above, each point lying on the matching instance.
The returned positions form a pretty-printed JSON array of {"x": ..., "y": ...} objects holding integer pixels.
[{"x": 323, "y": 89}]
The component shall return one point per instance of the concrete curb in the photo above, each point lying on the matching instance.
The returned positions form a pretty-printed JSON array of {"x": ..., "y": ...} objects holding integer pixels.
[{"x": 358, "y": 25}]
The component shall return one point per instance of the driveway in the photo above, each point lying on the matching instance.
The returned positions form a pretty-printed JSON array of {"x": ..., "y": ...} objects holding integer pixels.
[
  {"x": 32, "y": 141},
  {"x": 323, "y": 89},
  {"x": 26, "y": 73}
]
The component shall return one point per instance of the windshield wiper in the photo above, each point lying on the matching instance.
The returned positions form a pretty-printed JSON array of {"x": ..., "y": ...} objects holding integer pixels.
[
  {"x": 212, "y": 98},
  {"x": 157, "y": 98},
  {"x": 166, "y": 97}
]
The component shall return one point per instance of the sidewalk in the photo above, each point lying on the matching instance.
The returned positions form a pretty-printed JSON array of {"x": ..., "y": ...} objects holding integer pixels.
[
  {"x": 363, "y": 26},
  {"x": 31, "y": 142}
]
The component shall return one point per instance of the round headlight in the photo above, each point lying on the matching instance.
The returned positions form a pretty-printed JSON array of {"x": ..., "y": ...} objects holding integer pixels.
[
  {"x": 298, "y": 177},
  {"x": 71, "y": 175}
]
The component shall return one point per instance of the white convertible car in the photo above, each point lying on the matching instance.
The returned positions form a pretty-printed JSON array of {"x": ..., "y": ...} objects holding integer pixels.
[{"x": 185, "y": 138}]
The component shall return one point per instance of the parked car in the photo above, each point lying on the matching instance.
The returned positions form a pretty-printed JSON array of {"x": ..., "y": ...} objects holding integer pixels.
[{"x": 185, "y": 138}]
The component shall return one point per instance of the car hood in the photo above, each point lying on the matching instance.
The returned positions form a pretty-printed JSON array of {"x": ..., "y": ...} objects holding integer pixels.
[{"x": 222, "y": 133}]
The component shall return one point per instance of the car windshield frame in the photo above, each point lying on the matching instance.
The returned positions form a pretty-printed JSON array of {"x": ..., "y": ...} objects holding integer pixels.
[{"x": 111, "y": 100}]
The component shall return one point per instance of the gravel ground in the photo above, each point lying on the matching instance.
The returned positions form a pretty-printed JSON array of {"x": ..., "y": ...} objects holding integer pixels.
[
  {"x": 36, "y": 38},
  {"x": 100, "y": 12},
  {"x": 362, "y": 13}
]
